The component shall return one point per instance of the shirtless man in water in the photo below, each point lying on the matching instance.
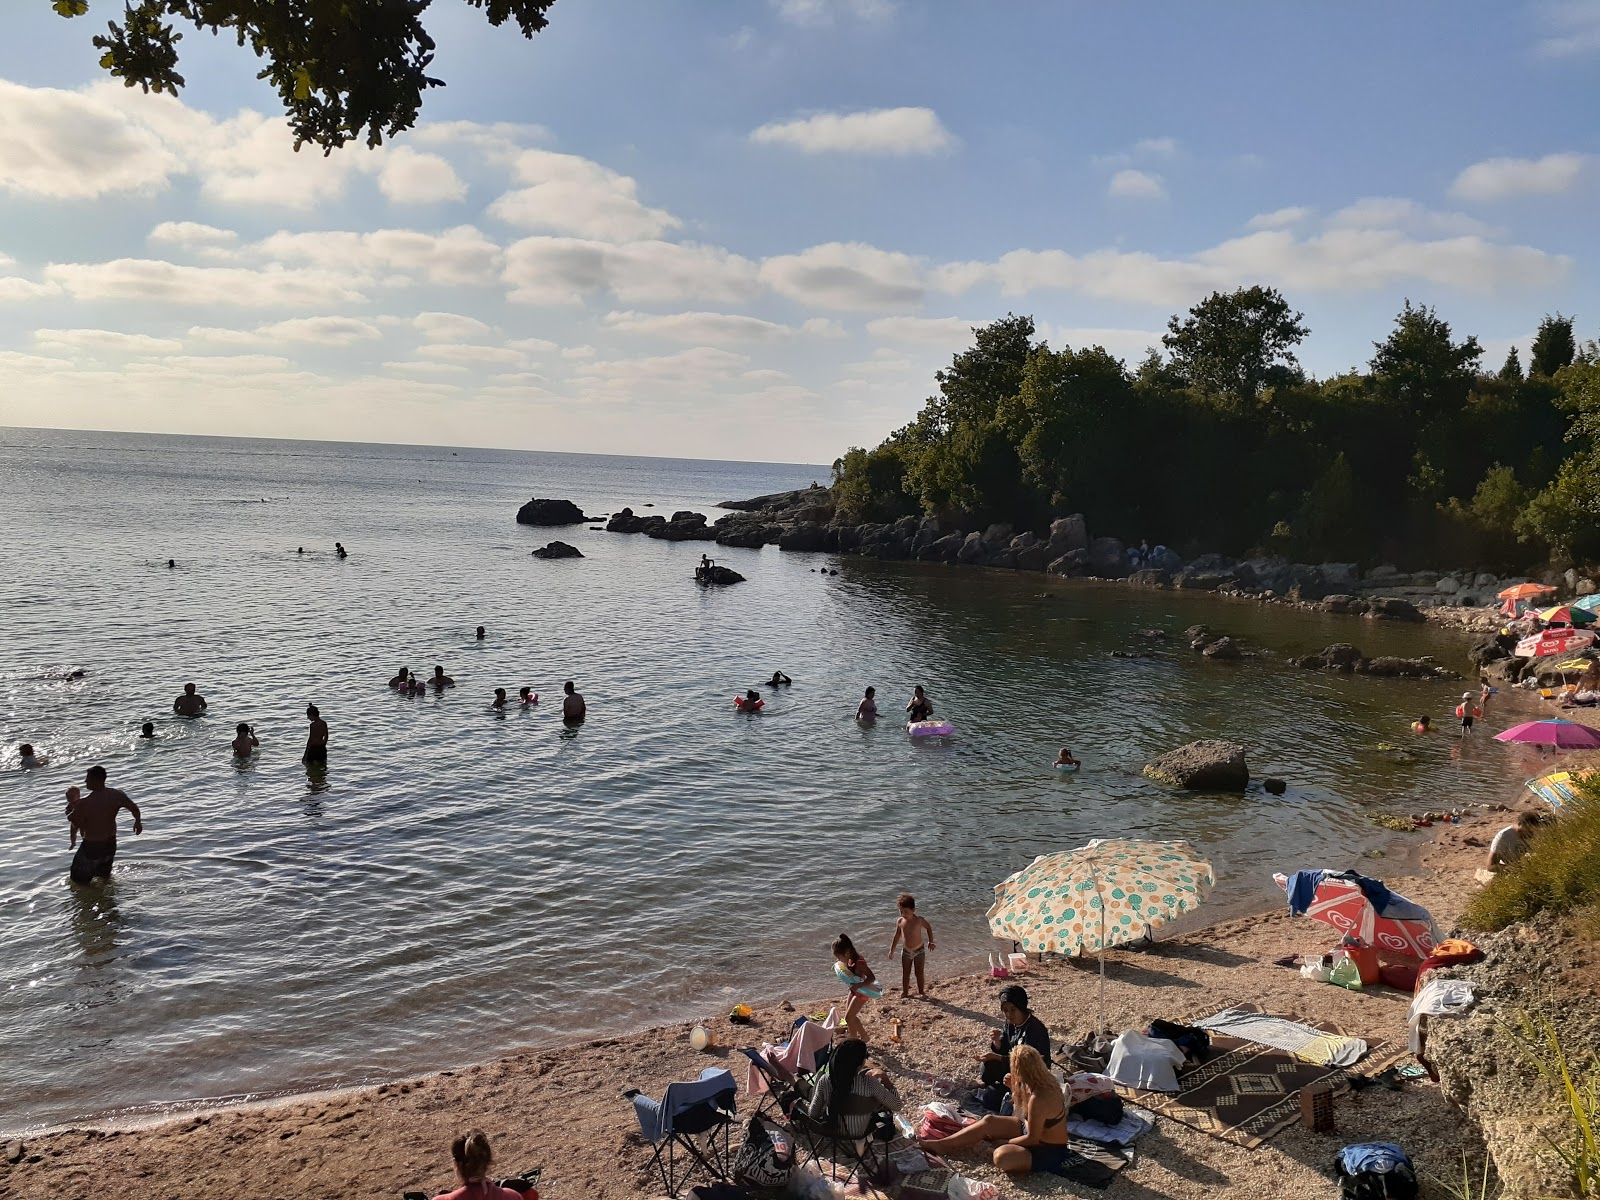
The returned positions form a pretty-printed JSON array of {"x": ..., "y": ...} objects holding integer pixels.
[
  {"x": 190, "y": 704},
  {"x": 573, "y": 709},
  {"x": 316, "y": 737},
  {"x": 440, "y": 680},
  {"x": 95, "y": 817}
]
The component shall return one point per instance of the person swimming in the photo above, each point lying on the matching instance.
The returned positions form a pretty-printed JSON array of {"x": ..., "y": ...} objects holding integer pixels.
[
  {"x": 440, "y": 680},
  {"x": 867, "y": 710},
  {"x": 528, "y": 697},
  {"x": 919, "y": 708},
  {"x": 481, "y": 634},
  {"x": 1066, "y": 762},
  {"x": 779, "y": 679},
  {"x": 31, "y": 760},
  {"x": 1421, "y": 725},
  {"x": 148, "y": 730},
  {"x": 499, "y": 700},
  {"x": 573, "y": 707},
  {"x": 400, "y": 680},
  {"x": 172, "y": 564},
  {"x": 190, "y": 704},
  {"x": 338, "y": 549},
  {"x": 245, "y": 744}
]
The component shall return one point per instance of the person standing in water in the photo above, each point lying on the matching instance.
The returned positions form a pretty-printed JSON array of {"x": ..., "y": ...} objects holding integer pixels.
[
  {"x": 867, "y": 710},
  {"x": 95, "y": 817},
  {"x": 440, "y": 680},
  {"x": 920, "y": 708},
  {"x": 499, "y": 700},
  {"x": 316, "y": 737},
  {"x": 400, "y": 680},
  {"x": 245, "y": 744},
  {"x": 190, "y": 704},
  {"x": 147, "y": 731},
  {"x": 338, "y": 549},
  {"x": 573, "y": 708},
  {"x": 481, "y": 633}
]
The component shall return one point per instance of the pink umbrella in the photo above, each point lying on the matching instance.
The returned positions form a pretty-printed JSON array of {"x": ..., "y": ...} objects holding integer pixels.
[
  {"x": 1563, "y": 735},
  {"x": 1342, "y": 904}
]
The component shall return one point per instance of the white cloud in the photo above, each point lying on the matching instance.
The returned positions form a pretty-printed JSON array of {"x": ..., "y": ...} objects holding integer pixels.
[
  {"x": 216, "y": 364},
  {"x": 100, "y": 342},
  {"x": 1574, "y": 29},
  {"x": 1334, "y": 261},
  {"x": 1393, "y": 212},
  {"x": 533, "y": 345},
  {"x": 147, "y": 281},
  {"x": 460, "y": 256},
  {"x": 1156, "y": 147},
  {"x": 569, "y": 194},
  {"x": 316, "y": 331},
  {"x": 1501, "y": 178},
  {"x": 1279, "y": 218},
  {"x": 1126, "y": 344},
  {"x": 409, "y": 176},
  {"x": 472, "y": 355},
  {"x": 694, "y": 370},
  {"x": 822, "y": 13},
  {"x": 883, "y": 362},
  {"x": 426, "y": 368},
  {"x": 74, "y": 146},
  {"x": 14, "y": 288},
  {"x": 713, "y": 328},
  {"x": 207, "y": 241},
  {"x": 1130, "y": 183},
  {"x": 499, "y": 140},
  {"x": 898, "y": 131},
  {"x": 563, "y": 271},
  {"x": 846, "y": 276},
  {"x": 448, "y": 327},
  {"x": 925, "y": 331}
]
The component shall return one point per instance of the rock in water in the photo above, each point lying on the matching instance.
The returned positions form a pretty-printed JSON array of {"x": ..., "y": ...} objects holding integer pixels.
[
  {"x": 551, "y": 512},
  {"x": 1208, "y": 766},
  {"x": 718, "y": 575},
  {"x": 558, "y": 550},
  {"x": 1275, "y": 787}
]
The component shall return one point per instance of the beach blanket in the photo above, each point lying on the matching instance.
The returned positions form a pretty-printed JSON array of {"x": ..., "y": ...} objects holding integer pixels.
[
  {"x": 1091, "y": 1164},
  {"x": 1133, "y": 1126},
  {"x": 1305, "y": 1042},
  {"x": 1247, "y": 1092}
]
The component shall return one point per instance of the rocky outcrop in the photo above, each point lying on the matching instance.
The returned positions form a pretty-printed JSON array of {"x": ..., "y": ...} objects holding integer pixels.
[
  {"x": 550, "y": 512},
  {"x": 716, "y": 575},
  {"x": 1392, "y": 608},
  {"x": 1342, "y": 656},
  {"x": 1224, "y": 648},
  {"x": 1204, "y": 766},
  {"x": 558, "y": 550}
]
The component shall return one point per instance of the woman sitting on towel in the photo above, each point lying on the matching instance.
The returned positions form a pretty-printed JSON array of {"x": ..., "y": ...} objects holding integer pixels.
[
  {"x": 1035, "y": 1139},
  {"x": 473, "y": 1157},
  {"x": 851, "y": 1097}
]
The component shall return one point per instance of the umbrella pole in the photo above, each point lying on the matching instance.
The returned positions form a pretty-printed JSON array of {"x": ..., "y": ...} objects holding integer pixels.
[{"x": 1100, "y": 1025}]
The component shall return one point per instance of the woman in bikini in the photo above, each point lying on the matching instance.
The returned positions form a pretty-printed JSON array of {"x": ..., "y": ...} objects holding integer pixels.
[{"x": 1035, "y": 1138}]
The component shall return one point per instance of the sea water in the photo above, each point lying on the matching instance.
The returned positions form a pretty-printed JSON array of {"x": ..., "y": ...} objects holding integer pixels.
[{"x": 462, "y": 881}]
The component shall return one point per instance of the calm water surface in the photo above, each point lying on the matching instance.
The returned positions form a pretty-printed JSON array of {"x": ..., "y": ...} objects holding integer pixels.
[{"x": 463, "y": 881}]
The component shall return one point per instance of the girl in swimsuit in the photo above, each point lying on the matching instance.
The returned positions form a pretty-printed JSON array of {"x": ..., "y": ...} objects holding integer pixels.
[
  {"x": 1035, "y": 1139},
  {"x": 849, "y": 958}
]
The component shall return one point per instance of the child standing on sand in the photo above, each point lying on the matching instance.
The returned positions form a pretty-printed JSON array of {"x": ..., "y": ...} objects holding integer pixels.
[
  {"x": 852, "y": 969},
  {"x": 914, "y": 936}
]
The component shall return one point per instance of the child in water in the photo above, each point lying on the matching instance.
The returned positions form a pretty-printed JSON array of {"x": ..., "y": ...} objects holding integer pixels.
[
  {"x": 147, "y": 730},
  {"x": 915, "y": 937},
  {"x": 1421, "y": 725},
  {"x": 528, "y": 697},
  {"x": 850, "y": 967},
  {"x": 1066, "y": 762},
  {"x": 499, "y": 700},
  {"x": 244, "y": 745}
]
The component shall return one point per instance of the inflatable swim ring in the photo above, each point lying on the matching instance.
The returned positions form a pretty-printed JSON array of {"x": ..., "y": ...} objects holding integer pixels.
[
  {"x": 856, "y": 986},
  {"x": 744, "y": 705},
  {"x": 930, "y": 729},
  {"x": 1066, "y": 766}
]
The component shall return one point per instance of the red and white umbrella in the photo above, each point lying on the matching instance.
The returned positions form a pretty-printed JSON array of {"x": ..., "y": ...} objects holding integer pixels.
[
  {"x": 1342, "y": 904},
  {"x": 1553, "y": 641}
]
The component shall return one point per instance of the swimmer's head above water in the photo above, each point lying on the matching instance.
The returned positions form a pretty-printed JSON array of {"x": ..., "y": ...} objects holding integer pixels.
[{"x": 148, "y": 729}]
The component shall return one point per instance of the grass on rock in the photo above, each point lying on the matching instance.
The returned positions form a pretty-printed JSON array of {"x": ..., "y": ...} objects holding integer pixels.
[{"x": 1559, "y": 874}]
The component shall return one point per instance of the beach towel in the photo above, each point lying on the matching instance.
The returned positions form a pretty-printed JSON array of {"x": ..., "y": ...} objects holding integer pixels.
[
  {"x": 1303, "y": 1041},
  {"x": 1133, "y": 1126},
  {"x": 1302, "y": 890},
  {"x": 798, "y": 1057}
]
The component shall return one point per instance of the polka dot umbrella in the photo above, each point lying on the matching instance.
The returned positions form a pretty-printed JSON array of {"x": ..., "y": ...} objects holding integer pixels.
[{"x": 1107, "y": 893}]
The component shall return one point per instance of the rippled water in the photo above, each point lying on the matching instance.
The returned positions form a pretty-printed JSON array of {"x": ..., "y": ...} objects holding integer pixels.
[{"x": 463, "y": 881}]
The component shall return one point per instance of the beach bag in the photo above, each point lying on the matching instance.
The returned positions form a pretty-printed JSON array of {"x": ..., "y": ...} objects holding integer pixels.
[
  {"x": 1194, "y": 1042},
  {"x": 1375, "y": 1171},
  {"x": 759, "y": 1163},
  {"x": 1106, "y": 1109}
]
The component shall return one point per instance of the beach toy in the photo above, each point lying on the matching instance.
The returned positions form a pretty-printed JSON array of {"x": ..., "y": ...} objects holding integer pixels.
[
  {"x": 701, "y": 1038},
  {"x": 856, "y": 986},
  {"x": 1018, "y": 962},
  {"x": 997, "y": 968},
  {"x": 1066, "y": 766},
  {"x": 744, "y": 705},
  {"x": 930, "y": 729}
]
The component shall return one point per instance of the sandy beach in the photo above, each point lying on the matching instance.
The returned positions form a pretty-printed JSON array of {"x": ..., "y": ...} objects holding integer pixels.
[{"x": 560, "y": 1108}]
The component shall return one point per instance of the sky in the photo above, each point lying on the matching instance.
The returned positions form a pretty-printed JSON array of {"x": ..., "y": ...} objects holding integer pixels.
[{"x": 753, "y": 229}]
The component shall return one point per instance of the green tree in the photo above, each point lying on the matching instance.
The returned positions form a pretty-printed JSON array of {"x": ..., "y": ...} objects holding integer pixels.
[
  {"x": 1330, "y": 517},
  {"x": 1421, "y": 368},
  {"x": 1554, "y": 346},
  {"x": 1075, "y": 408},
  {"x": 1234, "y": 344},
  {"x": 1566, "y": 515},
  {"x": 1512, "y": 371},
  {"x": 341, "y": 67}
]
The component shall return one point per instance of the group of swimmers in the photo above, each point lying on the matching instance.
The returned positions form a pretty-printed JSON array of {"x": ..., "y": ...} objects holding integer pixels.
[{"x": 1470, "y": 708}]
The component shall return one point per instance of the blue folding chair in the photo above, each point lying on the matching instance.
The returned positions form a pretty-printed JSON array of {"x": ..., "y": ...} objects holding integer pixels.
[{"x": 694, "y": 1118}]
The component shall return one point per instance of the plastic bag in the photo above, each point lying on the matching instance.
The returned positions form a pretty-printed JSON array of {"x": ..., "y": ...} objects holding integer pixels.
[
  {"x": 1346, "y": 973},
  {"x": 1316, "y": 972},
  {"x": 963, "y": 1188}
]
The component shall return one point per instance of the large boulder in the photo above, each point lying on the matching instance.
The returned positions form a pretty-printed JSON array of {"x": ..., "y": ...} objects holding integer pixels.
[
  {"x": 551, "y": 512},
  {"x": 1341, "y": 656},
  {"x": 1162, "y": 559},
  {"x": 1390, "y": 667},
  {"x": 684, "y": 527},
  {"x": 558, "y": 550},
  {"x": 972, "y": 550},
  {"x": 1006, "y": 558},
  {"x": 1108, "y": 558},
  {"x": 1392, "y": 608},
  {"x": 1069, "y": 533},
  {"x": 1344, "y": 604},
  {"x": 1150, "y": 577},
  {"x": 1491, "y": 650},
  {"x": 942, "y": 549},
  {"x": 801, "y": 537},
  {"x": 751, "y": 535},
  {"x": 1210, "y": 765},
  {"x": 1035, "y": 557},
  {"x": 717, "y": 575},
  {"x": 626, "y": 522},
  {"x": 1224, "y": 648},
  {"x": 1073, "y": 562},
  {"x": 1338, "y": 575},
  {"x": 996, "y": 537}
]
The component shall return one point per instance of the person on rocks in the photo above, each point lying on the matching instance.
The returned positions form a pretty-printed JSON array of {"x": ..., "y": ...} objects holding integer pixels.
[
  {"x": 1511, "y": 843},
  {"x": 919, "y": 708},
  {"x": 94, "y": 816},
  {"x": 190, "y": 704}
]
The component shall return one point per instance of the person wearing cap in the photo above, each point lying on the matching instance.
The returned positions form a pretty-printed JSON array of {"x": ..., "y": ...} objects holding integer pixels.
[{"x": 1021, "y": 1028}]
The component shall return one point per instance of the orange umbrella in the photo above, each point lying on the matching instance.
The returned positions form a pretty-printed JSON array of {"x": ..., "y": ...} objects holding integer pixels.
[{"x": 1522, "y": 591}]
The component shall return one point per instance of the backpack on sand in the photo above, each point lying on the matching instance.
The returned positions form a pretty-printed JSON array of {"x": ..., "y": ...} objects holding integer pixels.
[{"x": 1375, "y": 1171}]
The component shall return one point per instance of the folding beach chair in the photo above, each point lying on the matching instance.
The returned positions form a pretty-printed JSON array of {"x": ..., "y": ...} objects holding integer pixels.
[
  {"x": 689, "y": 1128},
  {"x": 783, "y": 1090},
  {"x": 829, "y": 1145}
]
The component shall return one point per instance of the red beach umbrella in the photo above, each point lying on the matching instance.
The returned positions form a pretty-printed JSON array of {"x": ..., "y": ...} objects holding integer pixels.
[{"x": 1563, "y": 735}]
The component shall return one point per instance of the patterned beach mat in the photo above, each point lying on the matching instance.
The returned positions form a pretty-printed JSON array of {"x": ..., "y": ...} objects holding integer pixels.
[{"x": 1247, "y": 1092}]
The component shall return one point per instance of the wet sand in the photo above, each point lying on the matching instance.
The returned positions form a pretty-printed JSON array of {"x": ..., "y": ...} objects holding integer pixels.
[{"x": 561, "y": 1108}]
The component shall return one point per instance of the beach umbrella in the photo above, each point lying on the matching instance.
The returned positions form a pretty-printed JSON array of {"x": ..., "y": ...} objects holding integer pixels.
[
  {"x": 1563, "y": 735},
  {"x": 1402, "y": 927},
  {"x": 1553, "y": 641},
  {"x": 1521, "y": 591},
  {"x": 1556, "y": 788},
  {"x": 1568, "y": 614},
  {"x": 1589, "y": 603},
  {"x": 1104, "y": 894}
]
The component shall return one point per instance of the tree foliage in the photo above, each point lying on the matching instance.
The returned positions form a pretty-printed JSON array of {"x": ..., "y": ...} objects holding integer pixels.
[
  {"x": 1554, "y": 346},
  {"x": 1226, "y": 446},
  {"x": 344, "y": 69}
]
